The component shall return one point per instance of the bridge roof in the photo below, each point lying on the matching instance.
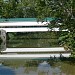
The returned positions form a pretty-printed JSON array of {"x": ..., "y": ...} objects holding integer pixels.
[{"x": 23, "y": 19}]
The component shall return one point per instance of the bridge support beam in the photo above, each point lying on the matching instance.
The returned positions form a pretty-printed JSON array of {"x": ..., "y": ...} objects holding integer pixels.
[{"x": 3, "y": 38}]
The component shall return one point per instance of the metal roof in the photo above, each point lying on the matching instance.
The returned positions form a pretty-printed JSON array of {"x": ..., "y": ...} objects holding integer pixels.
[{"x": 23, "y": 19}]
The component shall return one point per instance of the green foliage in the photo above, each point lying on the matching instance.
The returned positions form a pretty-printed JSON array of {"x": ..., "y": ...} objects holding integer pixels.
[
  {"x": 65, "y": 11},
  {"x": 35, "y": 39},
  {"x": 67, "y": 41},
  {"x": 60, "y": 9},
  {"x": 11, "y": 36},
  {"x": 24, "y": 8}
]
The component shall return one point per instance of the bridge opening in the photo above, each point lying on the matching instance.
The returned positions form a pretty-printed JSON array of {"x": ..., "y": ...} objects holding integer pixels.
[{"x": 33, "y": 39}]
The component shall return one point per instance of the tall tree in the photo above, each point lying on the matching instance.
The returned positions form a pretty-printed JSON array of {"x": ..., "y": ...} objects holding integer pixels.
[{"x": 64, "y": 12}]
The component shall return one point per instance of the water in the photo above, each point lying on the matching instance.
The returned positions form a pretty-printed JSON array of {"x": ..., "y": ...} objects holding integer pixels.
[
  {"x": 5, "y": 70},
  {"x": 36, "y": 67}
]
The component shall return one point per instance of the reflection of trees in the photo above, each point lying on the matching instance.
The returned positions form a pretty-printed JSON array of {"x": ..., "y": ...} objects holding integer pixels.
[
  {"x": 17, "y": 63},
  {"x": 68, "y": 68},
  {"x": 29, "y": 69},
  {"x": 42, "y": 73}
]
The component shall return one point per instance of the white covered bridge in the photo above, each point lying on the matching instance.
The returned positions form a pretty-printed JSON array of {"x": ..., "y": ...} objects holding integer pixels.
[{"x": 29, "y": 26}]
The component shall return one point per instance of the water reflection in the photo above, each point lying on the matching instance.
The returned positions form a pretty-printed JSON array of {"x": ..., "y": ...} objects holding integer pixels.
[
  {"x": 20, "y": 71},
  {"x": 47, "y": 69},
  {"x": 43, "y": 68},
  {"x": 4, "y": 70},
  {"x": 26, "y": 71}
]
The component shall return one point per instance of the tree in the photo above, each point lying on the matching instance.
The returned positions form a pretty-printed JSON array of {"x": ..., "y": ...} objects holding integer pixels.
[{"x": 64, "y": 12}]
